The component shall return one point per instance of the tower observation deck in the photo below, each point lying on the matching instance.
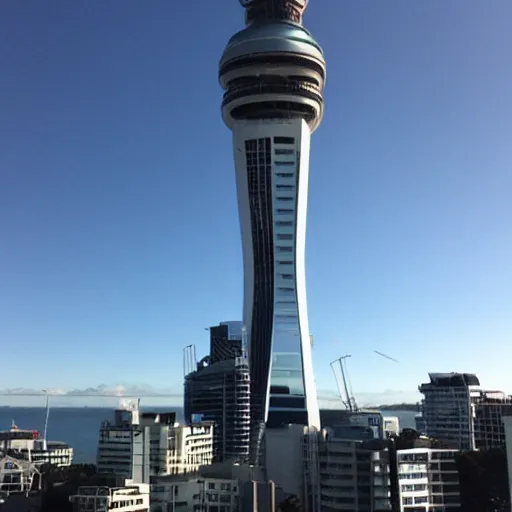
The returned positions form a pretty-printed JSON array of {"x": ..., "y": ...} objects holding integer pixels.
[{"x": 273, "y": 73}]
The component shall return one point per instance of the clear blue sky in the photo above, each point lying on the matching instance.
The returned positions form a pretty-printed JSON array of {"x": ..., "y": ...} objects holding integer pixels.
[{"x": 119, "y": 235}]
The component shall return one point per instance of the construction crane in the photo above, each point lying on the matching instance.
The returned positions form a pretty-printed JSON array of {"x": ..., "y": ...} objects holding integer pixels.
[{"x": 350, "y": 402}]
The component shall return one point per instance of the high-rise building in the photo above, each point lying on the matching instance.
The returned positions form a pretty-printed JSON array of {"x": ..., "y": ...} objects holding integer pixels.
[
  {"x": 458, "y": 412},
  {"x": 219, "y": 393},
  {"x": 226, "y": 341},
  {"x": 273, "y": 74},
  {"x": 217, "y": 389},
  {"x": 428, "y": 479},
  {"x": 354, "y": 473}
]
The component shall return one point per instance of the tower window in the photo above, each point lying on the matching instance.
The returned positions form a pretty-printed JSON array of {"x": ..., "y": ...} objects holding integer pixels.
[{"x": 280, "y": 151}]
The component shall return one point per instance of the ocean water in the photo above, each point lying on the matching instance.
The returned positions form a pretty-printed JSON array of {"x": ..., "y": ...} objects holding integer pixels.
[{"x": 79, "y": 426}]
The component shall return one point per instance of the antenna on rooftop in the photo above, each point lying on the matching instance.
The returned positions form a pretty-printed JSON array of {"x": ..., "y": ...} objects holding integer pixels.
[{"x": 45, "y": 432}]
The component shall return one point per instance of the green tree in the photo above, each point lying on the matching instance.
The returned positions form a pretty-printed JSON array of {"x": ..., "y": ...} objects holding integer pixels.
[
  {"x": 483, "y": 477},
  {"x": 289, "y": 504}
]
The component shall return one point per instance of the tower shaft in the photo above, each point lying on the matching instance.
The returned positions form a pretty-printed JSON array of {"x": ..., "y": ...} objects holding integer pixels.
[{"x": 272, "y": 170}]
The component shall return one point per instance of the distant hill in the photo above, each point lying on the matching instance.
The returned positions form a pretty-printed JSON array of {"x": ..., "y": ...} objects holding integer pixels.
[{"x": 399, "y": 407}]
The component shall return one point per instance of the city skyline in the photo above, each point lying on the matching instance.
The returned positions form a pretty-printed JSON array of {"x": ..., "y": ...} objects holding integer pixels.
[{"x": 120, "y": 239}]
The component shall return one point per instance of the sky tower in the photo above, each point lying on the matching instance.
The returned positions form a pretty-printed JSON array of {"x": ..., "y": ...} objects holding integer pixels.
[{"x": 273, "y": 74}]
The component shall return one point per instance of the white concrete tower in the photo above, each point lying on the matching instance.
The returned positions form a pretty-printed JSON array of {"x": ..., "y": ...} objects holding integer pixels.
[{"x": 273, "y": 74}]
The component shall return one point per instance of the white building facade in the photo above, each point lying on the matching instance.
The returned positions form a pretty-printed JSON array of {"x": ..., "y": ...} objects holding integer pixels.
[
  {"x": 140, "y": 445},
  {"x": 428, "y": 480},
  {"x": 391, "y": 426},
  {"x": 132, "y": 497}
]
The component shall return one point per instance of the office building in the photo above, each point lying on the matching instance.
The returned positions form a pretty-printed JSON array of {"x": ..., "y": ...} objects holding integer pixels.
[
  {"x": 138, "y": 445},
  {"x": 218, "y": 390},
  {"x": 428, "y": 480},
  {"x": 354, "y": 474},
  {"x": 273, "y": 74},
  {"x": 367, "y": 424},
  {"x": 458, "y": 412},
  {"x": 130, "y": 497},
  {"x": 226, "y": 341}
]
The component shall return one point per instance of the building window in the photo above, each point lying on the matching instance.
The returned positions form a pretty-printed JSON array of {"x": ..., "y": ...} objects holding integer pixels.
[
  {"x": 284, "y": 187},
  {"x": 282, "y": 151},
  {"x": 284, "y": 210},
  {"x": 284, "y": 236},
  {"x": 285, "y": 174},
  {"x": 280, "y": 163},
  {"x": 284, "y": 140},
  {"x": 284, "y": 223},
  {"x": 284, "y": 249},
  {"x": 287, "y": 276}
]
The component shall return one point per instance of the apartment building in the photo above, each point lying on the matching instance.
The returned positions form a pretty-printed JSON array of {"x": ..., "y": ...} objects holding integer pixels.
[
  {"x": 457, "y": 411},
  {"x": 217, "y": 389},
  {"x": 354, "y": 474},
  {"x": 428, "y": 480},
  {"x": 131, "y": 497},
  {"x": 138, "y": 445}
]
